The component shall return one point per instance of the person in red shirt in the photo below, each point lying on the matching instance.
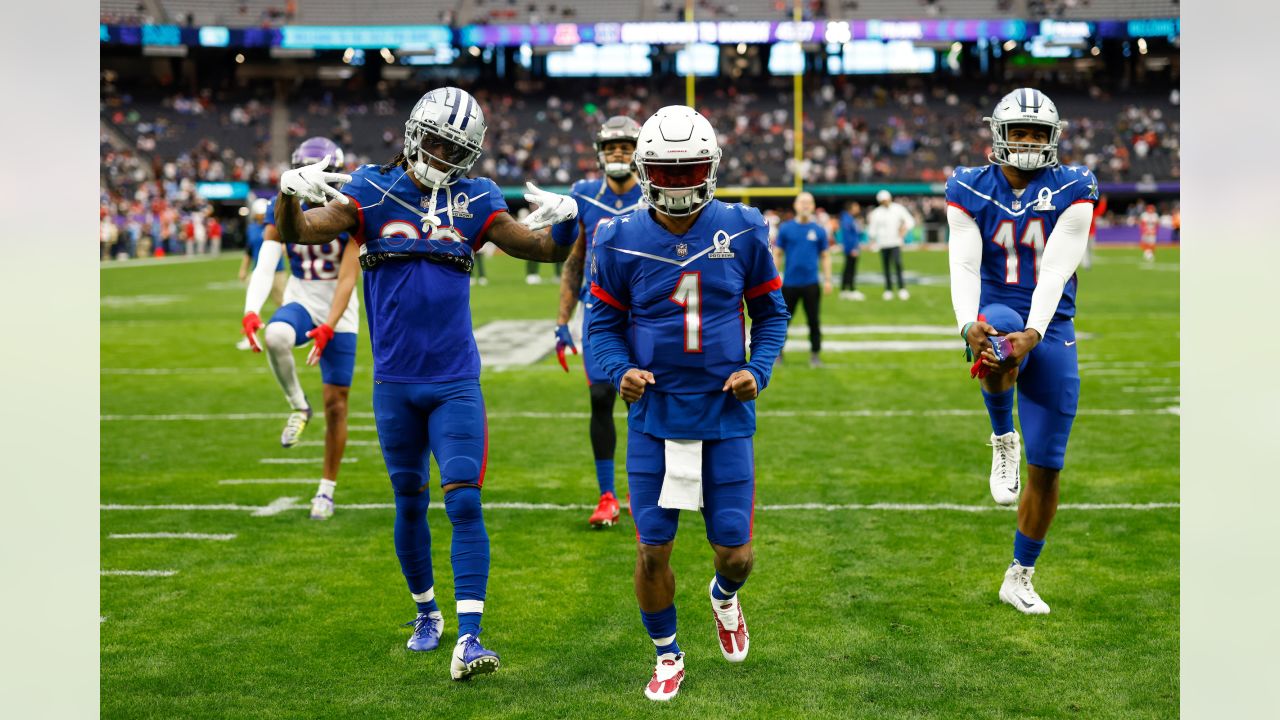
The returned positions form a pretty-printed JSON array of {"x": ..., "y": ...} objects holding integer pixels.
[
  {"x": 214, "y": 229},
  {"x": 1148, "y": 222}
]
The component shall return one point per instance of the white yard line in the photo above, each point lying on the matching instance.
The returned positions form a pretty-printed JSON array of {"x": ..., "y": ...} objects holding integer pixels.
[
  {"x": 222, "y": 537},
  {"x": 350, "y": 443},
  {"x": 280, "y": 505},
  {"x": 270, "y": 481},
  {"x": 184, "y": 371},
  {"x": 301, "y": 461},
  {"x": 275, "y": 507},
  {"x": 140, "y": 573}
]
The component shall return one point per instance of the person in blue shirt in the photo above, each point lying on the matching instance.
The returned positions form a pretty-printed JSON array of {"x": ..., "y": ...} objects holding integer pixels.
[
  {"x": 801, "y": 247},
  {"x": 850, "y": 240},
  {"x": 418, "y": 220},
  {"x": 616, "y": 194},
  {"x": 670, "y": 283},
  {"x": 1019, "y": 229}
]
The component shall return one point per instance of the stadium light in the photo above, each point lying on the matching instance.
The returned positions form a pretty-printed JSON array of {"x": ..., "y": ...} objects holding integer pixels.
[{"x": 239, "y": 58}]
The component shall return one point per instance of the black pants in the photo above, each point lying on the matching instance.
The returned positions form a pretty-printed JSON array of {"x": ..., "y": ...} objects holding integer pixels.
[
  {"x": 811, "y": 295},
  {"x": 849, "y": 276},
  {"x": 891, "y": 259}
]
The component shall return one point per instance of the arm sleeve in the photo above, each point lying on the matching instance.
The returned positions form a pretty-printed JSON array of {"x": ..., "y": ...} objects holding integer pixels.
[
  {"x": 1063, "y": 252},
  {"x": 965, "y": 251},
  {"x": 263, "y": 275},
  {"x": 610, "y": 318},
  {"x": 767, "y": 310}
]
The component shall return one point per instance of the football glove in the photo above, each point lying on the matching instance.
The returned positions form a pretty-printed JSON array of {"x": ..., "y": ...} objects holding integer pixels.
[
  {"x": 321, "y": 336},
  {"x": 250, "y": 325},
  {"x": 552, "y": 208},
  {"x": 564, "y": 339},
  {"x": 311, "y": 183}
]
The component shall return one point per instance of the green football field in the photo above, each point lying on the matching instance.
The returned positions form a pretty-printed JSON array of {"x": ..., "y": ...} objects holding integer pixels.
[{"x": 878, "y": 549}]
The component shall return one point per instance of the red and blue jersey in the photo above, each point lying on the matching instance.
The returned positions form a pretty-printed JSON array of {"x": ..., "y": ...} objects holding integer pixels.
[
  {"x": 1015, "y": 227},
  {"x": 420, "y": 312},
  {"x": 310, "y": 262},
  {"x": 673, "y": 305}
]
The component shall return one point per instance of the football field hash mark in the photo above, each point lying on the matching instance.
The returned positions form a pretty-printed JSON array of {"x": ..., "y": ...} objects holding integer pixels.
[
  {"x": 277, "y": 506},
  {"x": 302, "y": 461},
  {"x": 285, "y": 503},
  {"x": 139, "y": 573},
  {"x": 270, "y": 481},
  {"x": 217, "y": 537}
]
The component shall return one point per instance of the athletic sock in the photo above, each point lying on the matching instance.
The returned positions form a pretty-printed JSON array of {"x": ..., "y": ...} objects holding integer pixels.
[
  {"x": 661, "y": 626},
  {"x": 469, "y": 555},
  {"x": 1026, "y": 550},
  {"x": 604, "y": 475},
  {"x": 426, "y": 601},
  {"x": 1000, "y": 410},
  {"x": 724, "y": 589},
  {"x": 413, "y": 547},
  {"x": 327, "y": 488}
]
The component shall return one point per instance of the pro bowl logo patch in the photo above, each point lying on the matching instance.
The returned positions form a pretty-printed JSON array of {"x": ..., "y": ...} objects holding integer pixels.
[
  {"x": 460, "y": 204},
  {"x": 721, "y": 242}
]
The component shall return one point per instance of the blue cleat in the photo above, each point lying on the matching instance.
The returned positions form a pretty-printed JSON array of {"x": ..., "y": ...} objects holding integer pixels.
[
  {"x": 471, "y": 658},
  {"x": 426, "y": 631}
]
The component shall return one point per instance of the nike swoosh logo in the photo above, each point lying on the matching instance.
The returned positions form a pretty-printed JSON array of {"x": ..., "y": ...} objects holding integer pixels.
[
  {"x": 1025, "y": 603},
  {"x": 1072, "y": 342}
]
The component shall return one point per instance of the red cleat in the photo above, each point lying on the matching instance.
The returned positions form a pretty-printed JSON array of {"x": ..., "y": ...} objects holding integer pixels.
[
  {"x": 731, "y": 628},
  {"x": 667, "y": 676},
  {"x": 607, "y": 512}
]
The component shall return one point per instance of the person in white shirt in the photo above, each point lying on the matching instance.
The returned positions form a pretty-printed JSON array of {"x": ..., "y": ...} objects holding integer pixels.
[{"x": 887, "y": 227}]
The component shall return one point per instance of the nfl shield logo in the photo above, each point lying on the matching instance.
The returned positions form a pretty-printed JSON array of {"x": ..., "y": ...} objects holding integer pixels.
[
  {"x": 618, "y": 204},
  {"x": 1017, "y": 204},
  {"x": 425, "y": 202},
  {"x": 682, "y": 250}
]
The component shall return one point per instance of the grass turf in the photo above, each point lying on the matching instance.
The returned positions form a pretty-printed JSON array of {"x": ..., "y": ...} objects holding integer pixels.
[{"x": 864, "y": 613}]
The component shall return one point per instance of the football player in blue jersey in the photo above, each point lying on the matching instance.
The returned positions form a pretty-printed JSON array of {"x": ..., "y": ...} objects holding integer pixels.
[
  {"x": 614, "y": 195},
  {"x": 319, "y": 304},
  {"x": 418, "y": 220},
  {"x": 667, "y": 329},
  {"x": 1019, "y": 229}
]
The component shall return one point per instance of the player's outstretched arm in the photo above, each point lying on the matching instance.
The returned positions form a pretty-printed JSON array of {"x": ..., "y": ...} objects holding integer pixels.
[
  {"x": 571, "y": 278},
  {"x": 518, "y": 241},
  {"x": 316, "y": 226}
]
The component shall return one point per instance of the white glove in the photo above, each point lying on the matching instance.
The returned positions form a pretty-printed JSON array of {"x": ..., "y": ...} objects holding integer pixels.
[
  {"x": 552, "y": 208},
  {"x": 311, "y": 183}
]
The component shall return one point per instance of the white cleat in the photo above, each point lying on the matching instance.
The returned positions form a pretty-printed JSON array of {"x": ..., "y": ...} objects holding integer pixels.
[
  {"x": 532, "y": 279},
  {"x": 294, "y": 426},
  {"x": 857, "y": 296},
  {"x": 731, "y": 628},
  {"x": 903, "y": 294},
  {"x": 1006, "y": 466},
  {"x": 846, "y": 295},
  {"x": 667, "y": 676},
  {"x": 243, "y": 344},
  {"x": 321, "y": 507},
  {"x": 1018, "y": 591},
  {"x": 887, "y": 295}
]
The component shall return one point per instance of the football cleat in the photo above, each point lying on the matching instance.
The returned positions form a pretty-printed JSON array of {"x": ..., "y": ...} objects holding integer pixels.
[
  {"x": 667, "y": 676},
  {"x": 903, "y": 294},
  {"x": 321, "y": 507},
  {"x": 731, "y": 627},
  {"x": 607, "y": 512},
  {"x": 1006, "y": 464},
  {"x": 857, "y": 295},
  {"x": 294, "y": 426},
  {"x": 887, "y": 295},
  {"x": 470, "y": 658},
  {"x": 815, "y": 361},
  {"x": 1018, "y": 591},
  {"x": 427, "y": 628}
]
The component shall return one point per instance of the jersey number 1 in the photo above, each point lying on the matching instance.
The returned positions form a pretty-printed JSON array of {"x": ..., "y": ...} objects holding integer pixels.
[
  {"x": 1032, "y": 237},
  {"x": 688, "y": 295}
]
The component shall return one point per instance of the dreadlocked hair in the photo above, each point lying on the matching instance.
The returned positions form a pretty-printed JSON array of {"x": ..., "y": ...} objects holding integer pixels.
[{"x": 393, "y": 163}]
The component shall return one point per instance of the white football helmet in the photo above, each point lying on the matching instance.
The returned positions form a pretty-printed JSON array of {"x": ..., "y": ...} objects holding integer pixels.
[
  {"x": 618, "y": 127},
  {"x": 676, "y": 159},
  {"x": 451, "y": 122},
  {"x": 1024, "y": 106}
]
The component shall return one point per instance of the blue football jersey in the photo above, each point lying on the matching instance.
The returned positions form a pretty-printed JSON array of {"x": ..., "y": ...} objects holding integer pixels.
[
  {"x": 802, "y": 245},
  {"x": 1015, "y": 228},
  {"x": 311, "y": 262},
  {"x": 673, "y": 305},
  {"x": 597, "y": 202},
  {"x": 420, "y": 312}
]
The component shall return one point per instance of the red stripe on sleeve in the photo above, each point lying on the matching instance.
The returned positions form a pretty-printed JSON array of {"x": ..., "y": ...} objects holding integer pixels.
[
  {"x": 764, "y": 288},
  {"x": 1082, "y": 200},
  {"x": 961, "y": 208},
  {"x": 359, "y": 233},
  {"x": 605, "y": 296},
  {"x": 479, "y": 239}
]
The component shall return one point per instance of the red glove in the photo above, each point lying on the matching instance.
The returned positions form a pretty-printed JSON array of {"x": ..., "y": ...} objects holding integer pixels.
[
  {"x": 321, "y": 335},
  {"x": 250, "y": 325}
]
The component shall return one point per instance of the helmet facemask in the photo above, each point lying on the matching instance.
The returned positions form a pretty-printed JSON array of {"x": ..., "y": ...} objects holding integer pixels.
[
  {"x": 1026, "y": 156},
  {"x": 450, "y": 161},
  {"x": 678, "y": 187}
]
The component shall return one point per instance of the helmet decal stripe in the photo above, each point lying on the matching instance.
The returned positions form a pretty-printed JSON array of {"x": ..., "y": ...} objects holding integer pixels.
[
  {"x": 466, "y": 112},
  {"x": 453, "y": 97}
]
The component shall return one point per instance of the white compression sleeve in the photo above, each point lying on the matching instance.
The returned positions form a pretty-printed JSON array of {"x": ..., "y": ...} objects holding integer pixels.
[
  {"x": 263, "y": 275},
  {"x": 965, "y": 251},
  {"x": 1063, "y": 252}
]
